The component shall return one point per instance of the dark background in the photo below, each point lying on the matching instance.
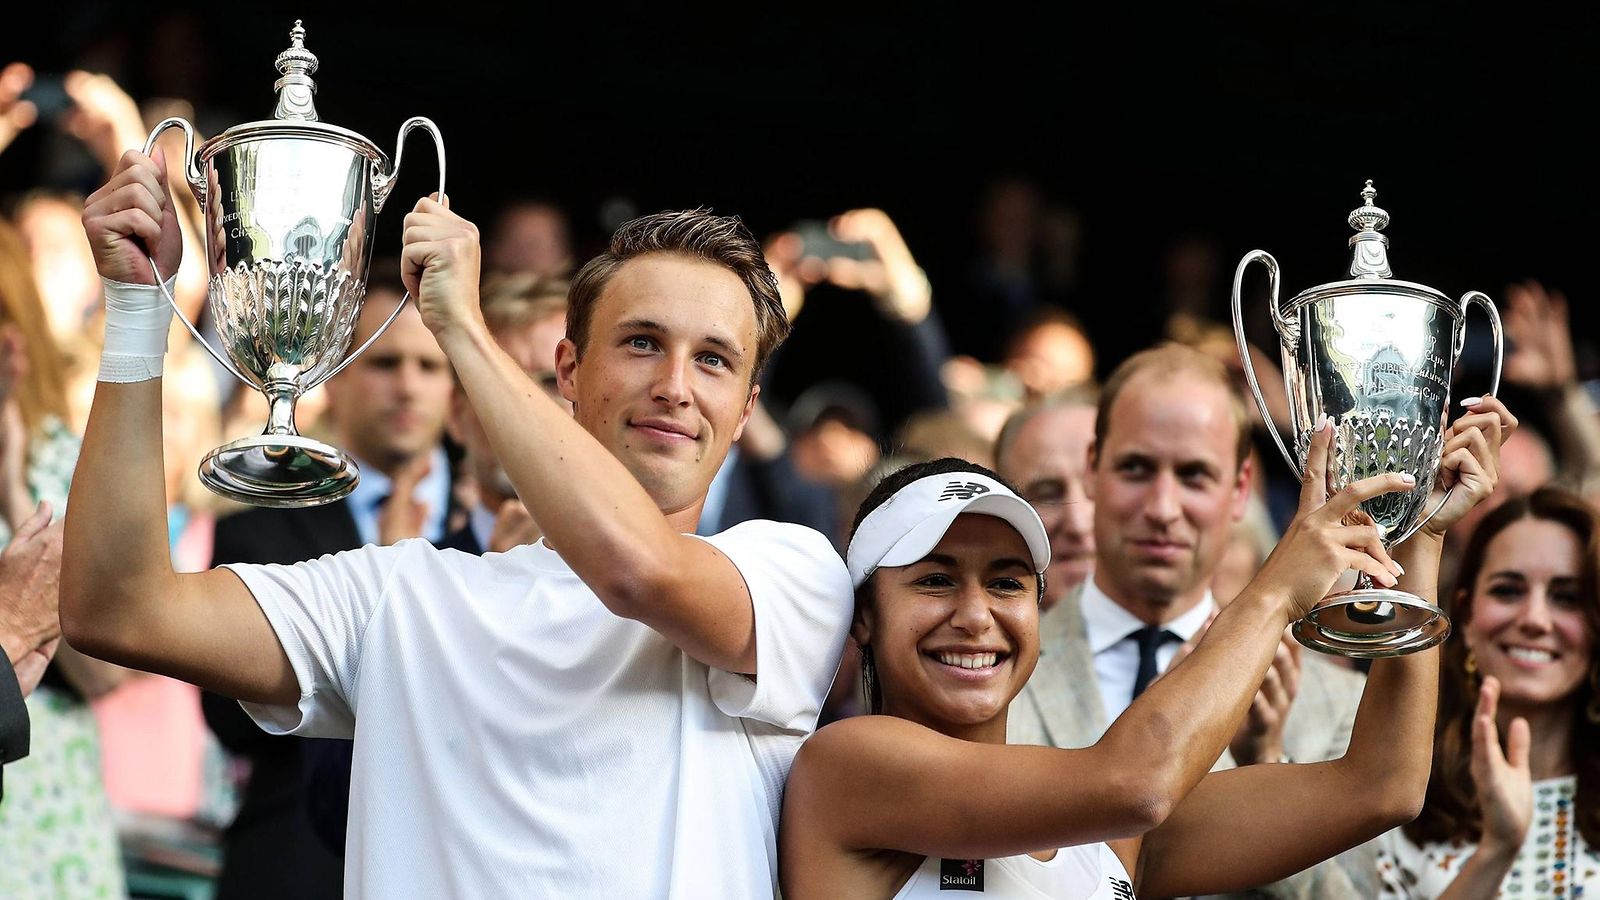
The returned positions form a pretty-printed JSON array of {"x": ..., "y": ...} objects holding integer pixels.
[{"x": 1251, "y": 122}]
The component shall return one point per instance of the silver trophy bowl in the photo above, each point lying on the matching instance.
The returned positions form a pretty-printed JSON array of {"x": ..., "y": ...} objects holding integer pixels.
[
  {"x": 289, "y": 206},
  {"x": 1375, "y": 355}
]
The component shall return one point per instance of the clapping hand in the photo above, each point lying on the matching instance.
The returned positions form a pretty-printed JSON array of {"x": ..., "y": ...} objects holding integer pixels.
[
  {"x": 1260, "y": 736},
  {"x": 30, "y": 578},
  {"x": 1504, "y": 780}
]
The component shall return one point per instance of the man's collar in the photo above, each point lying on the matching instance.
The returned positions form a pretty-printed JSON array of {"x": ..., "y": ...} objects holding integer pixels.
[{"x": 1107, "y": 622}]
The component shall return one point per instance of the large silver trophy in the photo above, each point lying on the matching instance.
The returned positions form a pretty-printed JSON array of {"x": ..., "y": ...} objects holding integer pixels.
[
  {"x": 289, "y": 205},
  {"x": 1375, "y": 355}
]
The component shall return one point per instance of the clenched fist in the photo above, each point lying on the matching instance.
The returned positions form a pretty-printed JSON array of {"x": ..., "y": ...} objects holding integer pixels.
[
  {"x": 439, "y": 264},
  {"x": 130, "y": 215}
]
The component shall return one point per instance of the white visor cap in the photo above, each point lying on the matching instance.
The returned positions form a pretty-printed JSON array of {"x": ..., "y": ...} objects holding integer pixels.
[{"x": 911, "y": 523}]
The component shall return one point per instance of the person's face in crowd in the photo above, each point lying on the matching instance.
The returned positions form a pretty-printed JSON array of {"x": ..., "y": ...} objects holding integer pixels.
[
  {"x": 833, "y": 453},
  {"x": 389, "y": 406},
  {"x": 1168, "y": 488},
  {"x": 664, "y": 381},
  {"x": 1051, "y": 357},
  {"x": 1529, "y": 626},
  {"x": 955, "y": 636},
  {"x": 534, "y": 349},
  {"x": 1048, "y": 459},
  {"x": 532, "y": 239},
  {"x": 63, "y": 264}
]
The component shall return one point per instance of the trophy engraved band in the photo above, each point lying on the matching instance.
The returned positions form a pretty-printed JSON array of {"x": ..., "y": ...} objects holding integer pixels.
[
  {"x": 1376, "y": 356},
  {"x": 289, "y": 207}
]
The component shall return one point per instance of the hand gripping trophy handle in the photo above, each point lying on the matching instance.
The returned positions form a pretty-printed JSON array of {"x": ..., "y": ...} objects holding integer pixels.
[
  {"x": 1288, "y": 329},
  {"x": 191, "y": 172},
  {"x": 382, "y": 184}
]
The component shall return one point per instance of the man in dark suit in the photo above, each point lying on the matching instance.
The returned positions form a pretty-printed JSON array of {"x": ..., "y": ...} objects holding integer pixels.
[
  {"x": 30, "y": 571},
  {"x": 388, "y": 410}
]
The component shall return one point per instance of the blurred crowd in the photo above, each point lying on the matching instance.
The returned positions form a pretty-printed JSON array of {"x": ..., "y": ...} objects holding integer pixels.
[{"x": 136, "y": 782}]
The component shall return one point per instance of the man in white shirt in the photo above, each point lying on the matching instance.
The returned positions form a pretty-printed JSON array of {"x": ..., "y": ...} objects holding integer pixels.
[
  {"x": 1169, "y": 476},
  {"x": 608, "y": 713}
]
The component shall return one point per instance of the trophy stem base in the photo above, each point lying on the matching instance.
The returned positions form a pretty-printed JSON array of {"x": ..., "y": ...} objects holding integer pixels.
[
  {"x": 280, "y": 470},
  {"x": 1372, "y": 623}
]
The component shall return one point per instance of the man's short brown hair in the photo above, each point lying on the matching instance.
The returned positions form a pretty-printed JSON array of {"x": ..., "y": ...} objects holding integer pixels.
[
  {"x": 1166, "y": 361},
  {"x": 695, "y": 233}
]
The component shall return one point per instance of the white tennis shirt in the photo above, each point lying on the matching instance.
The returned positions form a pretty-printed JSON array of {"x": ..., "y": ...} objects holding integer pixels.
[{"x": 514, "y": 738}]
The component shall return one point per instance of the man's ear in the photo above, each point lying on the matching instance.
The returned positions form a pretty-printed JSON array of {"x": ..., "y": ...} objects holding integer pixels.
[
  {"x": 567, "y": 370},
  {"x": 1241, "y": 487},
  {"x": 749, "y": 407},
  {"x": 1092, "y": 457}
]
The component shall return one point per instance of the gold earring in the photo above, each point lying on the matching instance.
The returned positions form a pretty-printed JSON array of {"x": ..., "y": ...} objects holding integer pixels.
[{"x": 1471, "y": 665}]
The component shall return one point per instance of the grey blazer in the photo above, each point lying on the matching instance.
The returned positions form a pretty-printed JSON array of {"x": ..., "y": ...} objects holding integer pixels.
[
  {"x": 13, "y": 719},
  {"x": 1060, "y": 707}
]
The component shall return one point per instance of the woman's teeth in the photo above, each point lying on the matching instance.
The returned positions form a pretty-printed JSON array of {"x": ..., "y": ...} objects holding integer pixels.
[
  {"x": 968, "y": 660},
  {"x": 1530, "y": 655}
]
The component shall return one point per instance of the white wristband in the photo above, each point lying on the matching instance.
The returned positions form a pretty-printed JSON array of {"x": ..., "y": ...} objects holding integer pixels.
[{"x": 138, "y": 318}]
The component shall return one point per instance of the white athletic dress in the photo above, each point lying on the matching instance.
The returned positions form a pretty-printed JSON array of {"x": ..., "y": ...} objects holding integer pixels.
[{"x": 1088, "y": 872}]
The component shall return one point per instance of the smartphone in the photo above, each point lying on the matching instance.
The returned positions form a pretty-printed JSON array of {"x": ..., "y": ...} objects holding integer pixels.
[
  {"x": 48, "y": 94},
  {"x": 816, "y": 242}
]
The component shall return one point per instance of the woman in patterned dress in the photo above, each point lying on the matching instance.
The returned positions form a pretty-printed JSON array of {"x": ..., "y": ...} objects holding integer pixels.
[
  {"x": 1513, "y": 807},
  {"x": 59, "y": 837}
]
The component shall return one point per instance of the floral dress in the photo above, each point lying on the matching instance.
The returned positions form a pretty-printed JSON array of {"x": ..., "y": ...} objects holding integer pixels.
[
  {"x": 57, "y": 834},
  {"x": 1555, "y": 863}
]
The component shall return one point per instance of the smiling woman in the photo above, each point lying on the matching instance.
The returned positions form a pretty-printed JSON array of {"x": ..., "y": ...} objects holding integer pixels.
[
  {"x": 1522, "y": 821},
  {"x": 926, "y": 795}
]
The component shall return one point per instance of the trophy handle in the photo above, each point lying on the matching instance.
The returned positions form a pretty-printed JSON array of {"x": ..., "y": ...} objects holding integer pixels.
[
  {"x": 1279, "y": 321},
  {"x": 382, "y": 184},
  {"x": 191, "y": 170},
  {"x": 1498, "y": 332},
  {"x": 191, "y": 173}
]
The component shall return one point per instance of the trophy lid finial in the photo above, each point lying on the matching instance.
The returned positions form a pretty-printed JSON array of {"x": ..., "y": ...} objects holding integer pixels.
[
  {"x": 1370, "y": 248},
  {"x": 295, "y": 89}
]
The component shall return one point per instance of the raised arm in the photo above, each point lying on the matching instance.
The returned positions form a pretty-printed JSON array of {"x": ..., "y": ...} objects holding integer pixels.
[
  {"x": 882, "y": 783},
  {"x": 1254, "y": 825},
  {"x": 121, "y": 601},
  {"x": 594, "y": 512}
]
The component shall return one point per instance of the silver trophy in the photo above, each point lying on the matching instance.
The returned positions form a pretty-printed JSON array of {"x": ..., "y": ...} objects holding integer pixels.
[
  {"x": 289, "y": 205},
  {"x": 1375, "y": 355}
]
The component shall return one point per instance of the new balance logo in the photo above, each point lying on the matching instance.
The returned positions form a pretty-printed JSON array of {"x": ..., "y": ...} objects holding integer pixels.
[
  {"x": 958, "y": 490},
  {"x": 1121, "y": 889}
]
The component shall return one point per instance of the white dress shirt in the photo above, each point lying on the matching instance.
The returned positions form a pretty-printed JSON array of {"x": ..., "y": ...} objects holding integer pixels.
[
  {"x": 1116, "y": 656},
  {"x": 433, "y": 491}
]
